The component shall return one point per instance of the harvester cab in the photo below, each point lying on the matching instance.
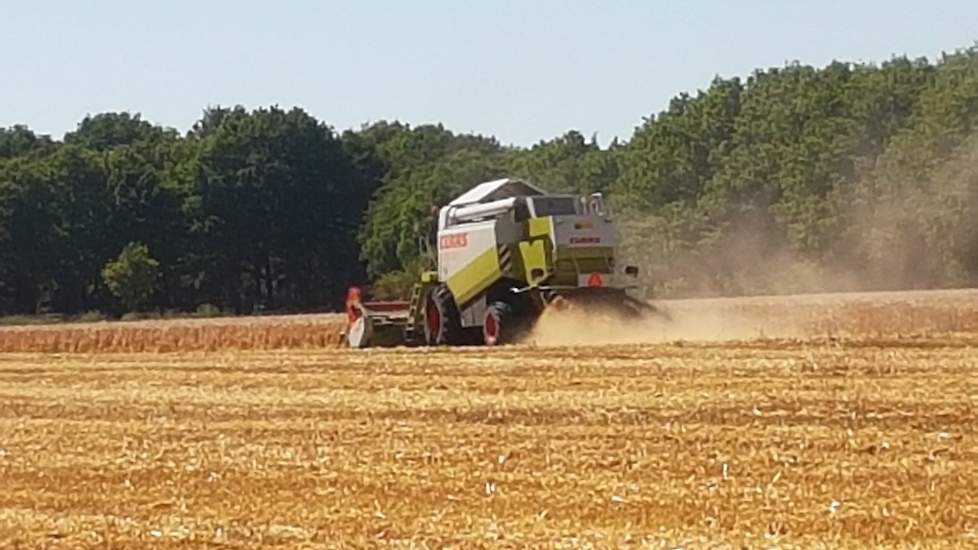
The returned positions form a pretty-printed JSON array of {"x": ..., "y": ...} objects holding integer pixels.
[{"x": 506, "y": 250}]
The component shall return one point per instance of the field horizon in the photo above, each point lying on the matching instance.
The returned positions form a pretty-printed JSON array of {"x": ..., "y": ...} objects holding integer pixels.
[{"x": 882, "y": 313}]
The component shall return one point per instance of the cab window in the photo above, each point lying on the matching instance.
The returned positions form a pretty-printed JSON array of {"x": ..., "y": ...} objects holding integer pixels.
[{"x": 554, "y": 206}]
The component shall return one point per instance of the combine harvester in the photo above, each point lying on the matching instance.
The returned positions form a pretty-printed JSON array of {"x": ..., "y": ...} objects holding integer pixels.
[{"x": 507, "y": 250}]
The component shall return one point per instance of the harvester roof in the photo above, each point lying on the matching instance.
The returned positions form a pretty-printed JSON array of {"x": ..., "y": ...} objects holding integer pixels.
[{"x": 497, "y": 189}]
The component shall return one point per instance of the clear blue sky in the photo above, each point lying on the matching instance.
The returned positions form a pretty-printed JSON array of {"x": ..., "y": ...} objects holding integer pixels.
[{"x": 520, "y": 70}]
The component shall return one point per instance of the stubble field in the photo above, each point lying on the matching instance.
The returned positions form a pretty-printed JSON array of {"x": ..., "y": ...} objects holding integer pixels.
[{"x": 861, "y": 433}]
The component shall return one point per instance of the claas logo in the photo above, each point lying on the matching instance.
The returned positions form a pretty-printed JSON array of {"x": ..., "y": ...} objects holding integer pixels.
[
  {"x": 585, "y": 240},
  {"x": 456, "y": 240}
]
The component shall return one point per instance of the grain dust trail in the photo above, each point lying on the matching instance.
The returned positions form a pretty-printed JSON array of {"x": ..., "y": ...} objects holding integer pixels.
[{"x": 795, "y": 316}]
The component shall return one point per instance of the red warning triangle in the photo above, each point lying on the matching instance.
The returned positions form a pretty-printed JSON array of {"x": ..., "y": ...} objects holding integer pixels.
[{"x": 595, "y": 280}]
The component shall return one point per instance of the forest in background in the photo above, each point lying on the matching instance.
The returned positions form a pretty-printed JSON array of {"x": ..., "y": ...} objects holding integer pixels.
[{"x": 792, "y": 179}]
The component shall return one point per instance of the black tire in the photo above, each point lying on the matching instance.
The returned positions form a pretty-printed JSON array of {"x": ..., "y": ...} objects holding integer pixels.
[
  {"x": 442, "y": 323},
  {"x": 499, "y": 324}
]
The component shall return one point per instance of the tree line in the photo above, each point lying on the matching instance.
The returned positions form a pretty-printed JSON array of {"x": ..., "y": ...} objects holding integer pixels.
[{"x": 794, "y": 178}]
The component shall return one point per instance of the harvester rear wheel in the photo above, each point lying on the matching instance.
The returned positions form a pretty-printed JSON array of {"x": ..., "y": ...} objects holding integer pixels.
[
  {"x": 442, "y": 324},
  {"x": 497, "y": 325}
]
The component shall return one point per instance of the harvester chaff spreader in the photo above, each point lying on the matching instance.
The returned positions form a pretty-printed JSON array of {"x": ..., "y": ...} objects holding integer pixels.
[{"x": 506, "y": 251}]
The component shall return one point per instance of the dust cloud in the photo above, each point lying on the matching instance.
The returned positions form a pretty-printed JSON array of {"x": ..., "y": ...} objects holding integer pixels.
[
  {"x": 888, "y": 230},
  {"x": 859, "y": 315},
  {"x": 680, "y": 320},
  {"x": 868, "y": 258}
]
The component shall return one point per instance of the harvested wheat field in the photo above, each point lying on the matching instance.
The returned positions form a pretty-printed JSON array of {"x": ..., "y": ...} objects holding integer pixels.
[{"x": 844, "y": 441}]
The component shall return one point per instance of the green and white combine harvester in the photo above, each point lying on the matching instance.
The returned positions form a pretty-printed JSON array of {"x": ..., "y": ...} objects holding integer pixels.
[{"x": 506, "y": 251}]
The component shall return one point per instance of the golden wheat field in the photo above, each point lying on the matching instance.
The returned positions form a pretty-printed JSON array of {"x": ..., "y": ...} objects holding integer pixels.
[
  {"x": 861, "y": 433},
  {"x": 228, "y": 333}
]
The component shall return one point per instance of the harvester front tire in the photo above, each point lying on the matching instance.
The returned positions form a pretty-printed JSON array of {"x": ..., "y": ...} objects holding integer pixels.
[
  {"x": 442, "y": 322},
  {"x": 497, "y": 326}
]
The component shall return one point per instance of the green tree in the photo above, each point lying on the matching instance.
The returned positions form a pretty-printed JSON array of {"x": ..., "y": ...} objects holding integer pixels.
[
  {"x": 905, "y": 219},
  {"x": 55, "y": 212},
  {"x": 402, "y": 212},
  {"x": 19, "y": 140},
  {"x": 133, "y": 276},
  {"x": 29, "y": 235},
  {"x": 569, "y": 164},
  {"x": 147, "y": 192},
  {"x": 105, "y": 131},
  {"x": 673, "y": 156},
  {"x": 275, "y": 204}
]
